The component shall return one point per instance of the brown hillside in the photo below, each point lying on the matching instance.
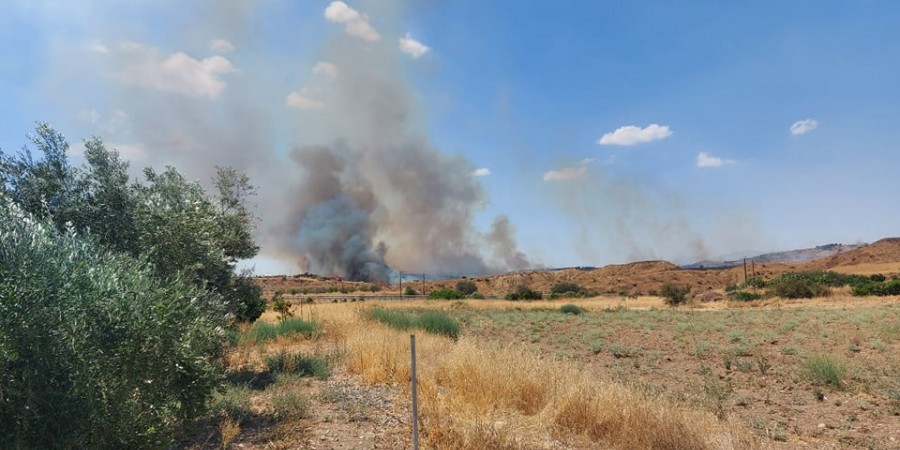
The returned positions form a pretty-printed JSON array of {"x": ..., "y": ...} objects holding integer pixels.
[
  {"x": 884, "y": 251},
  {"x": 643, "y": 277}
]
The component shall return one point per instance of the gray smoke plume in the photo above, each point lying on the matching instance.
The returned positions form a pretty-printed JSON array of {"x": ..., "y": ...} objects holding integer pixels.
[
  {"x": 354, "y": 187},
  {"x": 644, "y": 222}
]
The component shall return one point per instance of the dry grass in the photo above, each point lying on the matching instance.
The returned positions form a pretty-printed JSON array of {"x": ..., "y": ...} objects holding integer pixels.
[{"x": 477, "y": 395}]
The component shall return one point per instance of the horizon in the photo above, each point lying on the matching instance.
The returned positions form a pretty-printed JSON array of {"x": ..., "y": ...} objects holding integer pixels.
[{"x": 496, "y": 136}]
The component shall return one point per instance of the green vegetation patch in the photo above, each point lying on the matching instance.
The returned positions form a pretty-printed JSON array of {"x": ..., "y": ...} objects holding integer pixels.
[
  {"x": 435, "y": 322},
  {"x": 264, "y": 331}
]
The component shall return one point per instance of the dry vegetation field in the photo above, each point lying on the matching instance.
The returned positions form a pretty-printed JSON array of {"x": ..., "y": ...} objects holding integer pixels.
[{"x": 624, "y": 373}]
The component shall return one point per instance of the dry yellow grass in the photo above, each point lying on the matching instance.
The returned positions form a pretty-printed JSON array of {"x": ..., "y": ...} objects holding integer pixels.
[{"x": 478, "y": 395}]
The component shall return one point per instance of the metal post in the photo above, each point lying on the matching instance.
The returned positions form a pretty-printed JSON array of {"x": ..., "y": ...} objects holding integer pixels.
[
  {"x": 415, "y": 401},
  {"x": 401, "y": 284}
]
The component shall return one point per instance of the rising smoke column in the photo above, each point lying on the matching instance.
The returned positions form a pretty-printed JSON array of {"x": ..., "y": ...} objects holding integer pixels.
[
  {"x": 348, "y": 181},
  {"x": 375, "y": 190}
]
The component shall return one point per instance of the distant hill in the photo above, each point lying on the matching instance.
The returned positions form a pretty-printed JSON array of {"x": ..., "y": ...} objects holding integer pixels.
[
  {"x": 786, "y": 257},
  {"x": 643, "y": 277}
]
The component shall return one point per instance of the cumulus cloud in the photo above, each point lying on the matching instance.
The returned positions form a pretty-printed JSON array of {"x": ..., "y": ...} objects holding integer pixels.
[
  {"x": 302, "y": 100},
  {"x": 568, "y": 173},
  {"x": 482, "y": 172},
  {"x": 326, "y": 68},
  {"x": 704, "y": 159},
  {"x": 630, "y": 135},
  {"x": 147, "y": 67},
  {"x": 356, "y": 24},
  {"x": 221, "y": 46},
  {"x": 804, "y": 126},
  {"x": 412, "y": 47}
]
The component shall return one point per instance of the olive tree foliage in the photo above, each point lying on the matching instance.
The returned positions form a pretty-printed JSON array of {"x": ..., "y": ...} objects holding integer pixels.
[
  {"x": 167, "y": 219},
  {"x": 96, "y": 351}
]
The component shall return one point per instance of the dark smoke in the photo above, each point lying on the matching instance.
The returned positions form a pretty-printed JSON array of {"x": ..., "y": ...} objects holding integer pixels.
[{"x": 362, "y": 189}]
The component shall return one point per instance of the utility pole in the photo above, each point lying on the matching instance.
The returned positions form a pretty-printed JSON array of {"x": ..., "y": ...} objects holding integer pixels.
[
  {"x": 401, "y": 283},
  {"x": 745, "y": 270}
]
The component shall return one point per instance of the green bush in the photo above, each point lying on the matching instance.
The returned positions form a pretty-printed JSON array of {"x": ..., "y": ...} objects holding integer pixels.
[
  {"x": 466, "y": 287},
  {"x": 95, "y": 351},
  {"x": 675, "y": 294},
  {"x": 744, "y": 296},
  {"x": 446, "y": 294},
  {"x": 878, "y": 278},
  {"x": 410, "y": 291},
  {"x": 524, "y": 293},
  {"x": 567, "y": 290},
  {"x": 797, "y": 288},
  {"x": 571, "y": 309},
  {"x": 756, "y": 282},
  {"x": 873, "y": 288}
]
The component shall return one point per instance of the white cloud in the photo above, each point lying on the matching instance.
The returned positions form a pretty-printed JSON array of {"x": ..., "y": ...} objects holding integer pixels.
[
  {"x": 178, "y": 72},
  {"x": 221, "y": 46},
  {"x": 482, "y": 172},
  {"x": 630, "y": 135},
  {"x": 326, "y": 68},
  {"x": 412, "y": 47},
  {"x": 302, "y": 100},
  {"x": 804, "y": 126},
  {"x": 356, "y": 24},
  {"x": 568, "y": 173},
  {"x": 98, "y": 47},
  {"x": 706, "y": 160}
]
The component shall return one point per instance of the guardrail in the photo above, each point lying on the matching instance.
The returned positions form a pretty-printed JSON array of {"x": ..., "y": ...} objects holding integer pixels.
[{"x": 343, "y": 298}]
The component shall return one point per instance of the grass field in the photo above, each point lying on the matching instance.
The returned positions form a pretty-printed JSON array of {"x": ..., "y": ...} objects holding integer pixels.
[{"x": 624, "y": 373}]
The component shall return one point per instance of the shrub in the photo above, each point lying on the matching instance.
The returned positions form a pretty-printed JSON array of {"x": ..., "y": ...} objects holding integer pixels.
[
  {"x": 568, "y": 290},
  {"x": 290, "y": 405},
  {"x": 410, "y": 291},
  {"x": 281, "y": 306},
  {"x": 283, "y": 362},
  {"x": 446, "y": 294},
  {"x": 878, "y": 278},
  {"x": 797, "y": 288},
  {"x": 825, "y": 369},
  {"x": 95, "y": 351},
  {"x": 466, "y": 287},
  {"x": 675, "y": 294},
  {"x": 756, "y": 282},
  {"x": 571, "y": 309},
  {"x": 524, "y": 293},
  {"x": 872, "y": 288},
  {"x": 244, "y": 299},
  {"x": 745, "y": 296}
]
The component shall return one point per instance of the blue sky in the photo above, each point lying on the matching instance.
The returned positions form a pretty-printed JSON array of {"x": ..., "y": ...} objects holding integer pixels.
[{"x": 741, "y": 125}]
